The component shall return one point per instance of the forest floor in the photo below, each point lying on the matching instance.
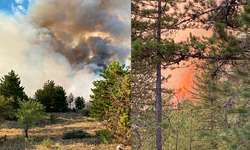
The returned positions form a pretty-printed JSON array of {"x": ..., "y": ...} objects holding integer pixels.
[{"x": 64, "y": 122}]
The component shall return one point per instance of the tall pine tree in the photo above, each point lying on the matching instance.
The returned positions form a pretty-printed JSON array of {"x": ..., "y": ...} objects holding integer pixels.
[
  {"x": 119, "y": 112},
  {"x": 10, "y": 86},
  {"x": 100, "y": 100},
  {"x": 52, "y": 97}
]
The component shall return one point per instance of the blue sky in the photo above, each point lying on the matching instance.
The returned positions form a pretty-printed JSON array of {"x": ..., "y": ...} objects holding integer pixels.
[{"x": 14, "y": 7}]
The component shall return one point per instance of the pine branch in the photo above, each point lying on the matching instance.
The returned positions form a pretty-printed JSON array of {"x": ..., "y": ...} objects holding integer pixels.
[
  {"x": 200, "y": 56},
  {"x": 194, "y": 16}
]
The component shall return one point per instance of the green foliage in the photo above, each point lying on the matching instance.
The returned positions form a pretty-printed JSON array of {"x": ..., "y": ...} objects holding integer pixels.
[
  {"x": 100, "y": 100},
  {"x": 29, "y": 139},
  {"x": 111, "y": 101},
  {"x": 7, "y": 111},
  {"x": 10, "y": 86},
  {"x": 90, "y": 120},
  {"x": 60, "y": 148},
  {"x": 5, "y": 138},
  {"x": 52, "y": 97},
  {"x": 104, "y": 134},
  {"x": 85, "y": 112},
  {"x": 76, "y": 134},
  {"x": 53, "y": 118},
  {"x": 221, "y": 107},
  {"x": 245, "y": 15},
  {"x": 79, "y": 102},
  {"x": 220, "y": 29},
  {"x": 119, "y": 123},
  {"x": 47, "y": 143},
  {"x": 39, "y": 138},
  {"x": 29, "y": 114}
]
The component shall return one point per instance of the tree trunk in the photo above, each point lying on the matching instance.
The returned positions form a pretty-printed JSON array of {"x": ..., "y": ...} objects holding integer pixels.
[
  {"x": 176, "y": 144},
  {"x": 158, "y": 107},
  {"x": 158, "y": 86},
  {"x": 26, "y": 132},
  {"x": 190, "y": 145}
]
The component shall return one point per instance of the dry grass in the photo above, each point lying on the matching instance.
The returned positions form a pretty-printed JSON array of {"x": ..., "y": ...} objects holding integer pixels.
[{"x": 64, "y": 122}]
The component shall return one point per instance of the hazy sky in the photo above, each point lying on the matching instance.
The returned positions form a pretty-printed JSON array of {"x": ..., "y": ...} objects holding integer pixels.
[{"x": 68, "y": 41}]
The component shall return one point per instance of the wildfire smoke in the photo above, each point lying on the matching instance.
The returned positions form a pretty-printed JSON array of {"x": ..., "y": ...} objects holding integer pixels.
[{"x": 67, "y": 41}]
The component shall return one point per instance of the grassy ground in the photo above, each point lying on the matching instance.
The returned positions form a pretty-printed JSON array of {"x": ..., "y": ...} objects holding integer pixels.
[{"x": 46, "y": 130}]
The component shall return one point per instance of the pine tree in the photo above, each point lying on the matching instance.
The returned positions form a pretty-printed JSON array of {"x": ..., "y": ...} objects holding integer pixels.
[
  {"x": 119, "y": 112},
  {"x": 149, "y": 53},
  {"x": 100, "y": 100},
  {"x": 208, "y": 108},
  {"x": 221, "y": 50},
  {"x": 10, "y": 86},
  {"x": 30, "y": 112},
  {"x": 7, "y": 111},
  {"x": 79, "y": 102},
  {"x": 52, "y": 97}
]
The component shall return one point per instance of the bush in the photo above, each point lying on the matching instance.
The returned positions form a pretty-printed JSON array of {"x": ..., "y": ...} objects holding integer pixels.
[
  {"x": 85, "y": 112},
  {"x": 42, "y": 121},
  {"x": 53, "y": 118},
  {"x": 47, "y": 143},
  {"x": 104, "y": 135},
  {"x": 90, "y": 120},
  {"x": 29, "y": 114},
  {"x": 39, "y": 138},
  {"x": 5, "y": 138},
  {"x": 76, "y": 134},
  {"x": 60, "y": 148}
]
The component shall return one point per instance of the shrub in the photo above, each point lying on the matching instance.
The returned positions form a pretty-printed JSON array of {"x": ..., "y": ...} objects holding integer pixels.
[
  {"x": 85, "y": 112},
  {"x": 104, "y": 134},
  {"x": 5, "y": 138},
  {"x": 76, "y": 134},
  {"x": 47, "y": 143},
  {"x": 60, "y": 148},
  {"x": 41, "y": 121},
  {"x": 39, "y": 138},
  {"x": 53, "y": 118},
  {"x": 29, "y": 114},
  {"x": 90, "y": 120}
]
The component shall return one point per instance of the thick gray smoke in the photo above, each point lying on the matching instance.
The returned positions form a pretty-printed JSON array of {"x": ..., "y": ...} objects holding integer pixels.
[
  {"x": 85, "y": 31},
  {"x": 68, "y": 41}
]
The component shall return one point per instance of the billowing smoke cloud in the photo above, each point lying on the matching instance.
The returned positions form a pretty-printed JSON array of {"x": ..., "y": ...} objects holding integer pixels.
[{"x": 67, "y": 41}]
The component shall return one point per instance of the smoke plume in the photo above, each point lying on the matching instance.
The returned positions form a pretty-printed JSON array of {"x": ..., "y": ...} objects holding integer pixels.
[{"x": 67, "y": 41}]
